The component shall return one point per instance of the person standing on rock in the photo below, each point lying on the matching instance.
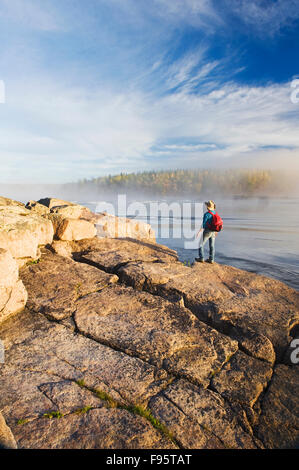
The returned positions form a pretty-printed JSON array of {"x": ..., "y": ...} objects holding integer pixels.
[{"x": 211, "y": 225}]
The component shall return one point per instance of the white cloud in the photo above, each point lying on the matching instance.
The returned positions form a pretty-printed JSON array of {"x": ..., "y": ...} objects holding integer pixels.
[
  {"x": 190, "y": 68},
  {"x": 266, "y": 17},
  {"x": 31, "y": 13},
  {"x": 47, "y": 126},
  {"x": 64, "y": 134},
  {"x": 168, "y": 14},
  {"x": 189, "y": 147},
  {"x": 51, "y": 130},
  {"x": 195, "y": 12}
]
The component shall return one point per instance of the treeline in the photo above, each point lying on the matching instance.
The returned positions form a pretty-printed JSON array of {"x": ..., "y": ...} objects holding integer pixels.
[{"x": 187, "y": 182}]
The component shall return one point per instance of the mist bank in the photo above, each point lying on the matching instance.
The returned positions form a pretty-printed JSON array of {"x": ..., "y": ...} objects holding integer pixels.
[
  {"x": 192, "y": 184},
  {"x": 166, "y": 184}
]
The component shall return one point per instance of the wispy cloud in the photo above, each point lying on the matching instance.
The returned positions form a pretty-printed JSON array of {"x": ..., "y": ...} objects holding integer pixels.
[
  {"x": 188, "y": 70},
  {"x": 72, "y": 131},
  {"x": 198, "y": 13},
  {"x": 120, "y": 86},
  {"x": 265, "y": 17}
]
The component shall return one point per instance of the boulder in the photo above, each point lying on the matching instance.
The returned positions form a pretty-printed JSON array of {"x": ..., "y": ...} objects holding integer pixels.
[
  {"x": 75, "y": 229},
  {"x": 16, "y": 302},
  {"x": 109, "y": 226},
  {"x": 75, "y": 211},
  {"x": 13, "y": 295},
  {"x": 62, "y": 248},
  {"x": 9, "y": 272},
  {"x": 29, "y": 260},
  {"x": 22, "y": 242},
  {"x": 7, "y": 440},
  {"x": 68, "y": 210},
  {"x": 51, "y": 202},
  {"x": 70, "y": 221},
  {"x": 23, "y": 231},
  {"x": 35, "y": 206},
  {"x": 5, "y": 201}
]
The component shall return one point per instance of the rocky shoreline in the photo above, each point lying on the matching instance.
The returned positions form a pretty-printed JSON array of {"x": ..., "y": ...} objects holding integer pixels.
[{"x": 110, "y": 342}]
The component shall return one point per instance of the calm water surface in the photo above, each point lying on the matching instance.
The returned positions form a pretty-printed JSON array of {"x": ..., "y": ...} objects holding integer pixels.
[{"x": 260, "y": 235}]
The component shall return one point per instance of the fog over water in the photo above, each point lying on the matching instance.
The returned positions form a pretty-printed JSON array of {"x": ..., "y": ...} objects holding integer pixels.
[{"x": 261, "y": 234}]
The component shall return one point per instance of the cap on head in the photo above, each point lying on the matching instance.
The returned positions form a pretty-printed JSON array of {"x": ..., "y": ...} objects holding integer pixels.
[{"x": 210, "y": 205}]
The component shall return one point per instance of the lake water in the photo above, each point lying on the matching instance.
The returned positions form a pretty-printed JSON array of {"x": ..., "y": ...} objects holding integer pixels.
[{"x": 260, "y": 235}]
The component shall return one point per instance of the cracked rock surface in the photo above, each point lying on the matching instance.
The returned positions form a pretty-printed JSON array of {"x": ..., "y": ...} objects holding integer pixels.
[
  {"x": 108, "y": 254},
  {"x": 56, "y": 283},
  {"x": 239, "y": 303},
  {"x": 156, "y": 330},
  {"x": 121, "y": 346}
]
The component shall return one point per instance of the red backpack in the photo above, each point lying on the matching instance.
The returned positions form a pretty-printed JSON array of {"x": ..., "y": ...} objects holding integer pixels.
[{"x": 216, "y": 225}]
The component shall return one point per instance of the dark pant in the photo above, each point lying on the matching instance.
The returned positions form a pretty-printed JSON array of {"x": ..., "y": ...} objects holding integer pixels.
[{"x": 208, "y": 235}]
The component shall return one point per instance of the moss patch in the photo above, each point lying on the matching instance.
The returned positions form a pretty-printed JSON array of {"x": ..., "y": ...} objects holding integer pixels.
[{"x": 54, "y": 414}]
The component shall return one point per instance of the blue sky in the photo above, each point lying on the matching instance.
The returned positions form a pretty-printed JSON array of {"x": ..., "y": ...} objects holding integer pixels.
[{"x": 102, "y": 86}]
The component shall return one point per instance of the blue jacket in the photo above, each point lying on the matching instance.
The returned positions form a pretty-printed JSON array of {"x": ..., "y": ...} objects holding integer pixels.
[{"x": 207, "y": 218}]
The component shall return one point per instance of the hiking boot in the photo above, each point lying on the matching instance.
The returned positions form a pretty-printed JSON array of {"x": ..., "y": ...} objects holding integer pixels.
[
  {"x": 211, "y": 261},
  {"x": 199, "y": 260}
]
